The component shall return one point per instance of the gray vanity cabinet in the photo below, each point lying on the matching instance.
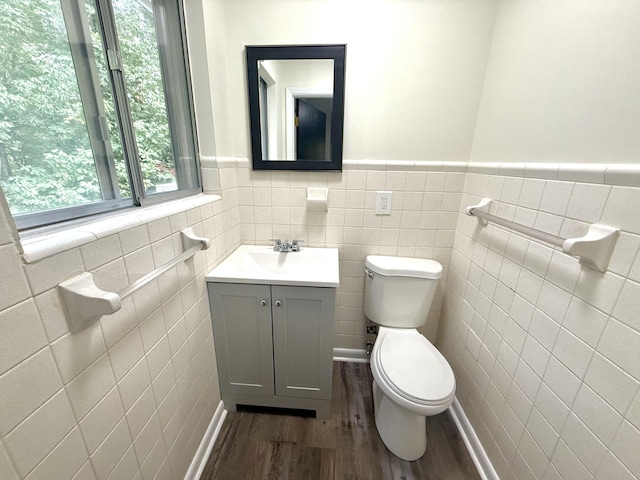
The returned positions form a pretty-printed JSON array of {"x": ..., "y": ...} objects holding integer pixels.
[
  {"x": 274, "y": 345},
  {"x": 242, "y": 331}
]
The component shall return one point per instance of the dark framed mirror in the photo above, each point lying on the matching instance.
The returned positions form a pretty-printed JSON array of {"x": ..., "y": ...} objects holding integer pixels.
[{"x": 296, "y": 106}]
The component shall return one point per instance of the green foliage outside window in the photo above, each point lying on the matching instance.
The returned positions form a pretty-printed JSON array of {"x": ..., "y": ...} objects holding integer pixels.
[{"x": 46, "y": 159}]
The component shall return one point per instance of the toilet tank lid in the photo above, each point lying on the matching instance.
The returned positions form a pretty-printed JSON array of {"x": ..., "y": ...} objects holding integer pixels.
[{"x": 404, "y": 266}]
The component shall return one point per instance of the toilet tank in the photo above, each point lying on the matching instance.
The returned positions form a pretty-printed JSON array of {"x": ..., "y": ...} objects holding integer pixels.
[{"x": 399, "y": 290}]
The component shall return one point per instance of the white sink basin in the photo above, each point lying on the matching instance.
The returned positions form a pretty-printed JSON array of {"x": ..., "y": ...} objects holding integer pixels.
[{"x": 316, "y": 267}]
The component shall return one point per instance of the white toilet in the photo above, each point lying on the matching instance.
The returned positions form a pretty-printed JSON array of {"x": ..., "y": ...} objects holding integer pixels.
[{"x": 412, "y": 380}]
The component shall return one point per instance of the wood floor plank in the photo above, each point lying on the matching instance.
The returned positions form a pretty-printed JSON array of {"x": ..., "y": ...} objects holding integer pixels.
[{"x": 272, "y": 444}]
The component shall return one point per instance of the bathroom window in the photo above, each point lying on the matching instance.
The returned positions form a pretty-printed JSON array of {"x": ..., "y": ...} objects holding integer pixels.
[{"x": 95, "y": 107}]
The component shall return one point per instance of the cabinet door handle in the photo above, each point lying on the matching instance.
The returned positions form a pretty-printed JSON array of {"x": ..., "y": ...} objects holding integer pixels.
[
  {"x": 278, "y": 303},
  {"x": 263, "y": 303}
]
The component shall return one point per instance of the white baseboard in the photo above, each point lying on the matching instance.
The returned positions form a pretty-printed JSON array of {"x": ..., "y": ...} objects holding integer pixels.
[
  {"x": 476, "y": 450},
  {"x": 206, "y": 445},
  {"x": 355, "y": 355}
]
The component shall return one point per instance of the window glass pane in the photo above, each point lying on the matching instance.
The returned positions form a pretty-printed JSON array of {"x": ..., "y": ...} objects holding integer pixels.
[
  {"x": 108, "y": 103},
  {"x": 46, "y": 158},
  {"x": 136, "y": 29},
  {"x": 95, "y": 107}
]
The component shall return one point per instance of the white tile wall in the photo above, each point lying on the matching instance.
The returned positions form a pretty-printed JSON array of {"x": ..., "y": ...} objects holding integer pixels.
[
  {"x": 561, "y": 344},
  {"x": 112, "y": 400}
]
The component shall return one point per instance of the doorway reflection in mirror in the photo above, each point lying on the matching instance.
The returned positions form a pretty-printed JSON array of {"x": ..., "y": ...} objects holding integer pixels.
[{"x": 296, "y": 105}]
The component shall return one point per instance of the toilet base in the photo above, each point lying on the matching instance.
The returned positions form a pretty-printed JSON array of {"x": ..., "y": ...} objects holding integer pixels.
[{"x": 403, "y": 432}]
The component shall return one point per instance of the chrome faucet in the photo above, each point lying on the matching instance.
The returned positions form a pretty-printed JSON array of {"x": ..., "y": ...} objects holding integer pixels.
[{"x": 280, "y": 246}]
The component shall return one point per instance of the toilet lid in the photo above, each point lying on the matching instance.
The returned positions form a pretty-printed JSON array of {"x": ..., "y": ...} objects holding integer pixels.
[{"x": 416, "y": 369}]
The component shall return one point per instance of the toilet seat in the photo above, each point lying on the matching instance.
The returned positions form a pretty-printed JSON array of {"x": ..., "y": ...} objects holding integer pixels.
[{"x": 411, "y": 367}]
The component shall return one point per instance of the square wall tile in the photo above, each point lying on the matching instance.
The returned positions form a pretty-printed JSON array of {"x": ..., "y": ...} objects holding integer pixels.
[
  {"x": 612, "y": 467},
  {"x": 600, "y": 290},
  {"x": 97, "y": 424},
  {"x": 21, "y": 334},
  {"x": 134, "y": 384},
  {"x": 562, "y": 381},
  {"x": 26, "y": 387},
  {"x": 628, "y": 305},
  {"x": 13, "y": 282},
  {"x": 139, "y": 263},
  {"x": 51, "y": 271},
  {"x": 127, "y": 467},
  {"x": 33, "y": 439},
  {"x": 625, "y": 447},
  {"x": 567, "y": 464},
  {"x": 126, "y": 353},
  {"x": 140, "y": 413},
  {"x": 543, "y": 433},
  {"x": 573, "y": 352},
  {"x": 556, "y": 196},
  {"x": 101, "y": 251},
  {"x": 147, "y": 438},
  {"x": 109, "y": 453},
  {"x": 621, "y": 345},
  {"x": 594, "y": 412},
  {"x": 616, "y": 211},
  {"x": 154, "y": 460},
  {"x": 54, "y": 318},
  {"x": 134, "y": 238},
  {"x": 611, "y": 383},
  {"x": 65, "y": 460},
  {"x": 585, "y": 321},
  {"x": 584, "y": 444},
  {"x": 627, "y": 246},
  {"x": 76, "y": 351},
  {"x": 587, "y": 202},
  {"x": 88, "y": 388}
]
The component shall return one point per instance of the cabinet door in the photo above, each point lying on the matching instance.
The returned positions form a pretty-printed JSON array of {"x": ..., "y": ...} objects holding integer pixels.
[
  {"x": 243, "y": 338},
  {"x": 303, "y": 340}
]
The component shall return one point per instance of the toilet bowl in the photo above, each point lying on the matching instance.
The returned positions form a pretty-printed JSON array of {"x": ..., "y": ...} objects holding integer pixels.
[{"x": 412, "y": 380}]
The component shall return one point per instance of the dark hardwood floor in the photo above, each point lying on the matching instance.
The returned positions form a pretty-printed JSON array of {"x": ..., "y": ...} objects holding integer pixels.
[{"x": 259, "y": 444}]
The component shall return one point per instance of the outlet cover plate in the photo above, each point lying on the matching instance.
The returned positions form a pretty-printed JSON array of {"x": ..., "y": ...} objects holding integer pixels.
[{"x": 383, "y": 203}]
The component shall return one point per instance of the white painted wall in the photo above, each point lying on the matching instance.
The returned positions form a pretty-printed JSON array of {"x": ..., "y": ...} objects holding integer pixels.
[
  {"x": 562, "y": 83},
  {"x": 207, "y": 52},
  {"x": 414, "y": 70}
]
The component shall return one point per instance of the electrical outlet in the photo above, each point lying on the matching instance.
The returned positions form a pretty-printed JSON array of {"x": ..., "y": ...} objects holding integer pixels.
[
  {"x": 372, "y": 329},
  {"x": 383, "y": 203}
]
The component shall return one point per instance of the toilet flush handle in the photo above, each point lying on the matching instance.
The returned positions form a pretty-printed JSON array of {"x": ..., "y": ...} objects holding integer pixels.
[{"x": 368, "y": 272}]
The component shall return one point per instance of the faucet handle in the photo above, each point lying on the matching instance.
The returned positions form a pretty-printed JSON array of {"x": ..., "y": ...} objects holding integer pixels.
[
  {"x": 277, "y": 244},
  {"x": 295, "y": 245}
]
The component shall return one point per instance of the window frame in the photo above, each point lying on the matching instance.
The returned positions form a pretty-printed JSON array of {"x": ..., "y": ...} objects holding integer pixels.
[{"x": 86, "y": 72}]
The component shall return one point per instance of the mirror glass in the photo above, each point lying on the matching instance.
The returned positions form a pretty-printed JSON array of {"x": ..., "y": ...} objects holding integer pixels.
[{"x": 296, "y": 105}]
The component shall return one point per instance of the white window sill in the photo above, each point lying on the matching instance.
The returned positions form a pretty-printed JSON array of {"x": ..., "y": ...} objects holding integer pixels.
[{"x": 45, "y": 243}]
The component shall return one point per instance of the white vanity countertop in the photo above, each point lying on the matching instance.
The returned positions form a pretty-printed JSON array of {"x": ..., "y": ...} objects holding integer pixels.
[{"x": 310, "y": 267}]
